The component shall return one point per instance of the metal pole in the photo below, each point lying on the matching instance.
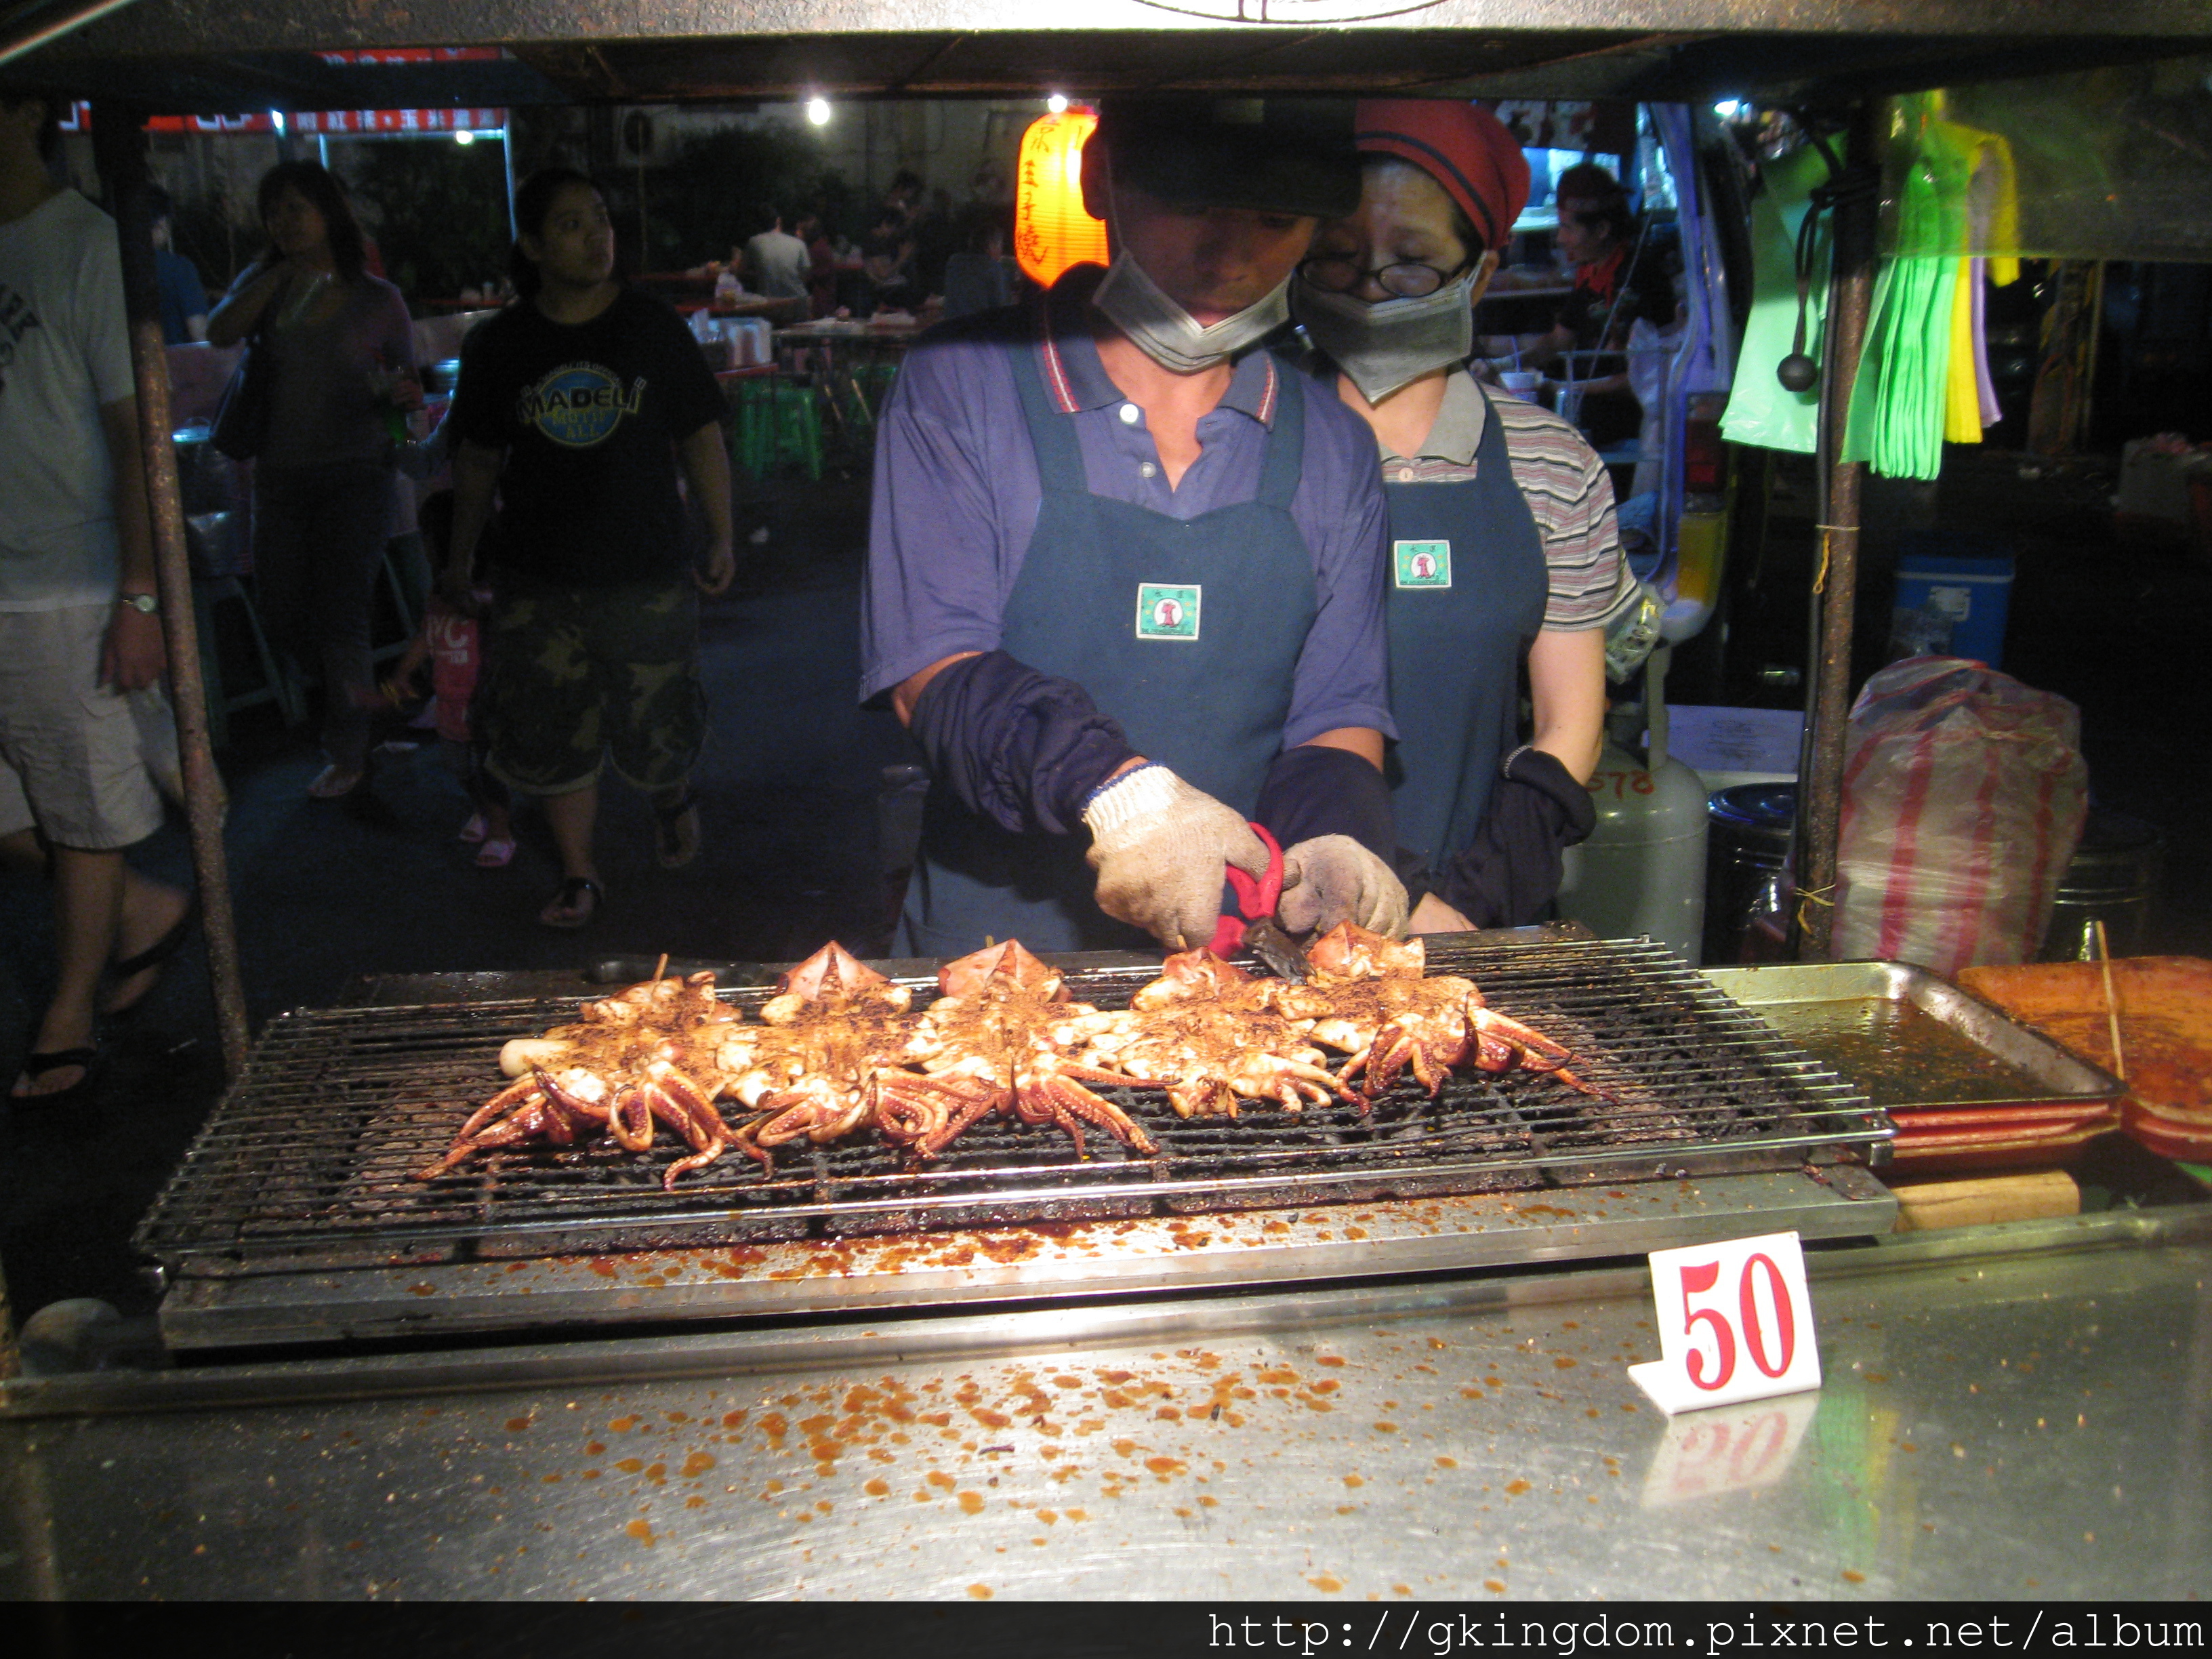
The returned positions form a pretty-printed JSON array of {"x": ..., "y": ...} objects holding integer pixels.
[
  {"x": 119, "y": 144},
  {"x": 1819, "y": 810}
]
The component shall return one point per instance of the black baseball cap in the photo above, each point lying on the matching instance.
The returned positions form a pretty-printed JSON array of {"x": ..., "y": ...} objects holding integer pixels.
[{"x": 1267, "y": 154}]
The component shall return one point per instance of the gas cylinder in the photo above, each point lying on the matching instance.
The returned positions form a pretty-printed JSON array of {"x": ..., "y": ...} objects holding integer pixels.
[{"x": 1642, "y": 869}]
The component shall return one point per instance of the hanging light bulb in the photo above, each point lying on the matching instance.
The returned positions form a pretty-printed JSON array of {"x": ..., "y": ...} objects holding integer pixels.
[
  {"x": 817, "y": 111},
  {"x": 1053, "y": 230},
  {"x": 1057, "y": 103}
]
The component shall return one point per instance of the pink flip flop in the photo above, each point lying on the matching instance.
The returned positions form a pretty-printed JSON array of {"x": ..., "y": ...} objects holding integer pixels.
[
  {"x": 496, "y": 854},
  {"x": 474, "y": 830}
]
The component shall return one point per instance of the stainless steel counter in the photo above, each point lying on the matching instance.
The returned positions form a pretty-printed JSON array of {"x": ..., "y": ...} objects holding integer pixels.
[{"x": 2022, "y": 1411}]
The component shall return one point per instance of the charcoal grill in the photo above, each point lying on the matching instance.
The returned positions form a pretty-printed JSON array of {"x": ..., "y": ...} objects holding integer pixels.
[{"x": 300, "y": 1192}]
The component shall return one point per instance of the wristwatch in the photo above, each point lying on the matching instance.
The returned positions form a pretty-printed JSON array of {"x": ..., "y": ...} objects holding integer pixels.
[{"x": 145, "y": 604}]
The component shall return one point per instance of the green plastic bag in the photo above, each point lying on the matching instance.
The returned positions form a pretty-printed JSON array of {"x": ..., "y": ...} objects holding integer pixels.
[
  {"x": 1760, "y": 409},
  {"x": 1899, "y": 398}
]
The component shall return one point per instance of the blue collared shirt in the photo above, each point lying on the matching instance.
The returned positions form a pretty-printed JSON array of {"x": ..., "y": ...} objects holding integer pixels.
[{"x": 957, "y": 497}]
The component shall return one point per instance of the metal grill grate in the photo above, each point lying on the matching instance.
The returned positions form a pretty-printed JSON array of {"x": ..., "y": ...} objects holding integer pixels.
[{"x": 309, "y": 1159}]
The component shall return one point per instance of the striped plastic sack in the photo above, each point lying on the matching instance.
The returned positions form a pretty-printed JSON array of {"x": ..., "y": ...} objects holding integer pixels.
[{"x": 1964, "y": 797}]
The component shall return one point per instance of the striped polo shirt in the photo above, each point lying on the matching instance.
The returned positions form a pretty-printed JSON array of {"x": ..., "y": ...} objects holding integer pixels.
[{"x": 1559, "y": 476}]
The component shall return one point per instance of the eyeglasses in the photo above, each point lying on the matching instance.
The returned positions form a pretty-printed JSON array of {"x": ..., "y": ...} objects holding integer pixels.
[{"x": 1340, "y": 273}]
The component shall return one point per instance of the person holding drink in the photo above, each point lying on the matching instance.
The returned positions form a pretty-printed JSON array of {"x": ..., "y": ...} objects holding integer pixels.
[{"x": 340, "y": 368}]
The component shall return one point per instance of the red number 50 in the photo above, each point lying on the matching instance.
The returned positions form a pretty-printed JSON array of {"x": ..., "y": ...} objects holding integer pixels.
[
  {"x": 1785, "y": 1318},
  {"x": 1703, "y": 1277}
]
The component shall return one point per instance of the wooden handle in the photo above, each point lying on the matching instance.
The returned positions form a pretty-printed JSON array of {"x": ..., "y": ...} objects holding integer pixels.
[{"x": 1925, "y": 1206}]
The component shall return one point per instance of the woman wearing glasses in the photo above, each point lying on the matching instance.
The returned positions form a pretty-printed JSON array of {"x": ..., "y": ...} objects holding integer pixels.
[{"x": 1505, "y": 555}]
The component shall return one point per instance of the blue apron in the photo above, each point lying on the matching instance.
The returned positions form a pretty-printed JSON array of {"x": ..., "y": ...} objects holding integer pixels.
[
  {"x": 1467, "y": 585},
  {"x": 1186, "y": 630}
]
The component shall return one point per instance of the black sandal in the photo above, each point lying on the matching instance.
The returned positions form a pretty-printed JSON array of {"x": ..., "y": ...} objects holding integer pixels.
[
  {"x": 572, "y": 894},
  {"x": 155, "y": 955},
  {"x": 676, "y": 832},
  {"x": 37, "y": 1065}
]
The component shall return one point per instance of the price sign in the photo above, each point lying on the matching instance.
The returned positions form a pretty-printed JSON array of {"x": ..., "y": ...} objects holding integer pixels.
[{"x": 1735, "y": 1322}]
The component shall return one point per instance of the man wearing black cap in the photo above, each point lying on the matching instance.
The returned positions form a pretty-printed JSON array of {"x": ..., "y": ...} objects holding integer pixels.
[{"x": 1125, "y": 572}]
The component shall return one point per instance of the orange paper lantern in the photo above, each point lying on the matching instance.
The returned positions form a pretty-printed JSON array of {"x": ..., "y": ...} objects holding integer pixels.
[{"x": 1052, "y": 230}]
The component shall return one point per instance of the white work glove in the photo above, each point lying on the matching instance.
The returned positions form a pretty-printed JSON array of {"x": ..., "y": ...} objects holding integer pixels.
[
  {"x": 1159, "y": 847},
  {"x": 1333, "y": 879}
]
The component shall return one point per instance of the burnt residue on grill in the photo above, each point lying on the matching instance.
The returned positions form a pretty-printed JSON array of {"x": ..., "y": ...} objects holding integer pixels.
[{"x": 311, "y": 1157}]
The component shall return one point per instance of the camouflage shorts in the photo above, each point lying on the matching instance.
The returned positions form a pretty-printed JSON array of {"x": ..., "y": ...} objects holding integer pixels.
[{"x": 578, "y": 674}]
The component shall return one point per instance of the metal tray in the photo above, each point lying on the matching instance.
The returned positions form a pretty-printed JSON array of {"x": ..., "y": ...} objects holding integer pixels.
[{"x": 1911, "y": 1040}]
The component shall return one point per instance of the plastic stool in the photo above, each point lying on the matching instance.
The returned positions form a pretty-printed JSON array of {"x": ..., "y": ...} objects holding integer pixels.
[
  {"x": 797, "y": 427},
  {"x": 276, "y": 685},
  {"x": 752, "y": 429}
]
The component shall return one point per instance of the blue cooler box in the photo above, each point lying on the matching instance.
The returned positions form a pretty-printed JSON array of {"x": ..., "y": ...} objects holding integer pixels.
[{"x": 1950, "y": 604}]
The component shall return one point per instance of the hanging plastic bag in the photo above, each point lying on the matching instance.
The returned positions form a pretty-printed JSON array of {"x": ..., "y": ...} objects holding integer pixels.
[
  {"x": 1964, "y": 796},
  {"x": 1760, "y": 409},
  {"x": 1916, "y": 386}
]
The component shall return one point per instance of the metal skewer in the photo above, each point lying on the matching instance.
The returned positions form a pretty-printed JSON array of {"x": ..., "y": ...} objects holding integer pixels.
[{"x": 2112, "y": 1004}]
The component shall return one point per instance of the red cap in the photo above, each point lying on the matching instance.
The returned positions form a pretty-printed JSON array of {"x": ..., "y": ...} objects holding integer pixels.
[{"x": 1462, "y": 146}]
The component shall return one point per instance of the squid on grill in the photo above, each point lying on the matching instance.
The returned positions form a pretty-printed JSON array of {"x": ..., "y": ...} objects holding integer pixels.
[
  {"x": 1210, "y": 1035},
  {"x": 838, "y": 1050},
  {"x": 811, "y": 1068},
  {"x": 1390, "y": 1018},
  {"x": 1003, "y": 1038},
  {"x": 630, "y": 1062}
]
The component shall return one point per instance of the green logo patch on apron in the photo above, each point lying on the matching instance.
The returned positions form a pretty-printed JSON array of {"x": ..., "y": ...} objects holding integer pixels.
[
  {"x": 1166, "y": 611},
  {"x": 1422, "y": 564}
]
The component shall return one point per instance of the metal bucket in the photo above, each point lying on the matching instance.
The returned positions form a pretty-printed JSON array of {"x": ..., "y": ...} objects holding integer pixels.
[
  {"x": 2113, "y": 878},
  {"x": 1747, "y": 872}
]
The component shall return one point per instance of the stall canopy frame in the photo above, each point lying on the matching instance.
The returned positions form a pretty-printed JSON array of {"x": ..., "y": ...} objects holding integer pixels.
[{"x": 211, "y": 56}]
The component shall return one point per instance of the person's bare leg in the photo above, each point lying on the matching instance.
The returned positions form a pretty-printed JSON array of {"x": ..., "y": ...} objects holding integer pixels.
[
  {"x": 150, "y": 909},
  {"x": 572, "y": 817},
  {"x": 87, "y": 906}
]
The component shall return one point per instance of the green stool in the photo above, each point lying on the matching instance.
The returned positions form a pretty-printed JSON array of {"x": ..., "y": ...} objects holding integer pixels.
[
  {"x": 775, "y": 420},
  {"x": 876, "y": 380},
  {"x": 797, "y": 434},
  {"x": 862, "y": 392},
  {"x": 751, "y": 423}
]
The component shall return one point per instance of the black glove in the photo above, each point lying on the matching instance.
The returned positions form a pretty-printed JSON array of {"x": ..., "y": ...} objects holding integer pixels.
[
  {"x": 1509, "y": 873},
  {"x": 1313, "y": 790}
]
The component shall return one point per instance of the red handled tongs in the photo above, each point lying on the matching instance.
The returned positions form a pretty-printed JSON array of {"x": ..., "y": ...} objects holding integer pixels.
[{"x": 1255, "y": 928}]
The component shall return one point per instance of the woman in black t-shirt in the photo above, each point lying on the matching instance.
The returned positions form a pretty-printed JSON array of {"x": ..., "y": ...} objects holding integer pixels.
[{"x": 575, "y": 406}]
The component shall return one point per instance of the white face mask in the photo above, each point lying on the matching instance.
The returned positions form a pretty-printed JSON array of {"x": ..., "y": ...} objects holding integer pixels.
[
  {"x": 1384, "y": 348},
  {"x": 1171, "y": 337}
]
